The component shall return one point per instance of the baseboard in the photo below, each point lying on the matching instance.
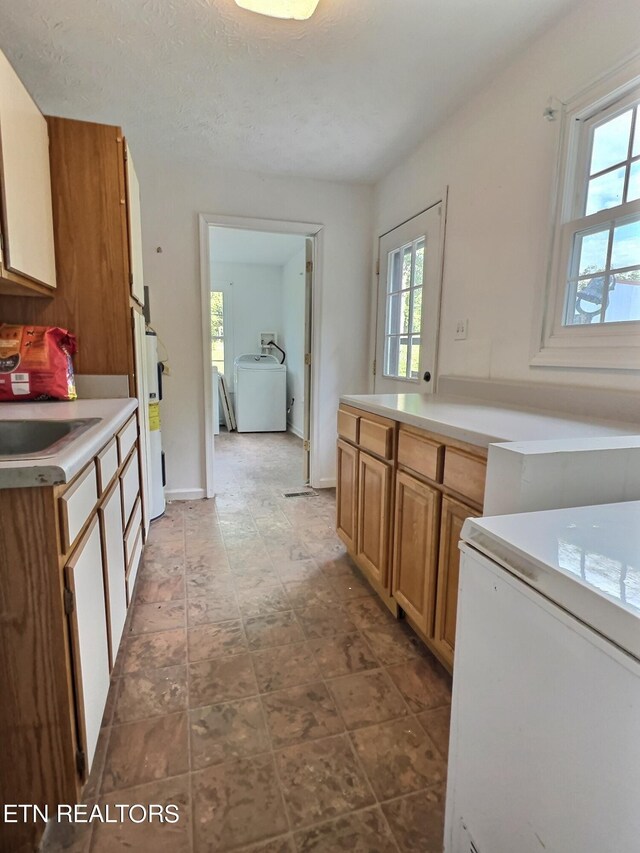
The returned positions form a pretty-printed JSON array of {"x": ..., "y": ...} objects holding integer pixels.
[
  {"x": 325, "y": 483},
  {"x": 295, "y": 430},
  {"x": 184, "y": 494}
]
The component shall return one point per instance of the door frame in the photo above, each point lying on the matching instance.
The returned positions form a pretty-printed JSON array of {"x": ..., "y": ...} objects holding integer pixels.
[
  {"x": 441, "y": 198},
  {"x": 313, "y": 231}
]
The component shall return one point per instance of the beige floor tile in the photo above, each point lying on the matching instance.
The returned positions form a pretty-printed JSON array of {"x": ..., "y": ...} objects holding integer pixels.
[
  {"x": 216, "y": 607},
  {"x": 216, "y": 640},
  {"x": 321, "y": 780},
  {"x": 393, "y": 642},
  {"x": 151, "y": 693},
  {"x": 417, "y": 821},
  {"x": 436, "y": 724},
  {"x": 399, "y": 758},
  {"x": 221, "y": 680},
  {"x": 143, "y": 652},
  {"x": 235, "y": 804},
  {"x": 301, "y": 713},
  {"x": 343, "y": 655},
  {"x": 362, "y": 832},
  {"x": 367, "y": 698},
  {"x": 285, "y": 666},
  {"x": 325, "y": 621},
  {"x": 145, "y": 751},
  {"x": 274, "y": 629},
  {"x": 222, "y": 732},
  {"x": 423, "y": 682},
  {"x": 161, "y": 616}
]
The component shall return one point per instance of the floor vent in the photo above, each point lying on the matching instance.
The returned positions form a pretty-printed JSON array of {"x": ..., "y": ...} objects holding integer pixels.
[{"x": 300, "y": 493}]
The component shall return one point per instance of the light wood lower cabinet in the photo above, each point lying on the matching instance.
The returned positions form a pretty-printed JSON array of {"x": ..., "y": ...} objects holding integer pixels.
[
  {"x": 374, "y": 503},
  {"x": 454, "y": 514},
  {"x": 89, "y": 642},
  {"x": 401, "y": 504},
  {"x": 347, "y": 494},
  {"x": 415, "y": 559}
]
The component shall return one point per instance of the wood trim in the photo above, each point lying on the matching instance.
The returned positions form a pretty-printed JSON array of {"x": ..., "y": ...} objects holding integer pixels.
[
  {"x": 348, "y": 450},
  {"x": 38, "y": 738},
  {"x": 88, "y": 472},
  {"x": 379, "y": 573},
  {"x": 105, "y": 566},
  {"x": 14, "y": 284}
]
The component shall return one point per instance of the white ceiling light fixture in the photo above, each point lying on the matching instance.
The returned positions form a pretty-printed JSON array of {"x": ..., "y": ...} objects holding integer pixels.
[{"x": 300, "y": 10}]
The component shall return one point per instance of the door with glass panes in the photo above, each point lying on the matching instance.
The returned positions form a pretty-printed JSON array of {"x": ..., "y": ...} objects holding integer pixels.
[{"x": 409, "y": 305}]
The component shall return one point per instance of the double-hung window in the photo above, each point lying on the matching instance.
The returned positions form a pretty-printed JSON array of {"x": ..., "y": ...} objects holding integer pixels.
[{"x": 593, "y": 308}]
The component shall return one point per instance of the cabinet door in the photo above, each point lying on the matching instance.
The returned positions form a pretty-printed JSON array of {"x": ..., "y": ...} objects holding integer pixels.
[
  {"x": 134, "y": 223},
  {"x": 347, "y": 494},
  {"x": 114, "y": 566},
  {"x": 89, "y": 641},
  {"x": 453, "y": 517},
  {"x": 415, "y": 556},
  {"x": 27, "y": 215},
  {"x": 374, "y": 509}
]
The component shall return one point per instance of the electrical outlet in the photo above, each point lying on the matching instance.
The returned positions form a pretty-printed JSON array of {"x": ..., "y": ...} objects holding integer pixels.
[{"x": 462, "y": 329}]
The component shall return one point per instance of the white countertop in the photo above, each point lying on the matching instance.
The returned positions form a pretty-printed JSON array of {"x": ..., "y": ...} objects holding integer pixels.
[
  {"x": 585, "y": 559},
  {"x": 61, "y": 468},
  {"x": 480, "y": 423}
]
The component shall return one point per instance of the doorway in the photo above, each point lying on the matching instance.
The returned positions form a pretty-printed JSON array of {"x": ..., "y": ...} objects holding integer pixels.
[
  {"x": 259, "y": 285},
  {"x": 408, "y": 304}
]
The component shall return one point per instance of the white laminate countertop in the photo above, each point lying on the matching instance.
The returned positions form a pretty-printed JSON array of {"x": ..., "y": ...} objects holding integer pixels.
[
  {"x": 63, "y": 466},
  {"x": 481, "y": 423},
  {"x": 586, "y": 559}
]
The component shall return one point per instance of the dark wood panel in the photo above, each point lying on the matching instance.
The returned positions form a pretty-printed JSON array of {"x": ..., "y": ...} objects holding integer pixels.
[
  {"x": 38, "y": 747},
  {"x": 92, "y": 259}
]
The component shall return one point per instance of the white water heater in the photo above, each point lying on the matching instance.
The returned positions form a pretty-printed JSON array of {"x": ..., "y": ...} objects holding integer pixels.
[{"x": 157, "y": 478}]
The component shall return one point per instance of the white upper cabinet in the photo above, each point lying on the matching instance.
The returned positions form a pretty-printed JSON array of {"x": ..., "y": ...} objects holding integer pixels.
[
  {"x": 26, "y": 221},
  {"x": 135, "y": 232}
]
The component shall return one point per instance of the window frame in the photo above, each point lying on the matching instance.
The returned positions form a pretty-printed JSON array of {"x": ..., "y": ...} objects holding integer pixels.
[
  {"x": 226, "y": 289},
  {"x": 411, "y": 291},
  {"x": 614, "y": 345}
]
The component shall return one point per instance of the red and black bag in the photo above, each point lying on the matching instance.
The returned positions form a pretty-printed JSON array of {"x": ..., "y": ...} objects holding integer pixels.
[{"x": 35, "y": 363}]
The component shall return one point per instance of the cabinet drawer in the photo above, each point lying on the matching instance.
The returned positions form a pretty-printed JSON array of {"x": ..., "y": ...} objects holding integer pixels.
[
  {"x": 132, "y": 569},
  {"x": 132, "y": 531},
  {"x": 465, "y": 474},
  {"x": 107, "y": 465},
  {"x": 127, "y": 438},
  {"x": 130, "y": 486},
  {"x": 348, "y": 426},
  {"x": 376, "y": 437},
  {"x": 77, "y": 504},
  {"x": 420, "y": 454}
]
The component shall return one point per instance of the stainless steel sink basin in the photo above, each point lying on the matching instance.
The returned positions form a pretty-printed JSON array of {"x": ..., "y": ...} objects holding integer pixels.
[{"x": 39, "y": 439}]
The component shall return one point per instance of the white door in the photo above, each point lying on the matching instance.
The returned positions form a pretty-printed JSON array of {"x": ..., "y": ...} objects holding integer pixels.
[
  {"x": 409, "y": 305},
  {"x": 308, "y": 319},
  {"x": 114, "y": 568},
  {"x": 135, "y": 231},
  {"x": 89, "y": 641}
]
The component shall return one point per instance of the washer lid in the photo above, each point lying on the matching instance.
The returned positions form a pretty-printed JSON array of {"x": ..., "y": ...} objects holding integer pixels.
[
  {"x": 586, "y": 559},
  {"x": 256, "y": 361}
]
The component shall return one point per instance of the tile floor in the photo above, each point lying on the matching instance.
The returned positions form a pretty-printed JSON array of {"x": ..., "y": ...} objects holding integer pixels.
[{"x": 263, "y": 689}]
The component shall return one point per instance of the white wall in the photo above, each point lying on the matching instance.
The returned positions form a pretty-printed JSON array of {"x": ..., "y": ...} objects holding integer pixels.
[
  {"x": 173, "y": 193},
  {"x": 293, "y": 302},
  {"x": 256, "y": 305},
  {"x": 498, "y": 156}
]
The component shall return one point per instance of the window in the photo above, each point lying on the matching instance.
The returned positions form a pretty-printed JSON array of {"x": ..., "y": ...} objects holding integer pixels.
[
  {"x": 592, "y": 316},
  {"x": 404, "y": 311},
  {"x": 217, "y": 330}
]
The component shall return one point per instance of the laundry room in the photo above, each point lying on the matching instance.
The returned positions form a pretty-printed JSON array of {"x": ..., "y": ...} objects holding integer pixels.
[{"x": 259, "y": 323}]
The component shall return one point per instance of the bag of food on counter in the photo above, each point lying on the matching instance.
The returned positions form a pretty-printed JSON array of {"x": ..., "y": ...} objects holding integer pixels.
[{"x": 35, "y": 363}]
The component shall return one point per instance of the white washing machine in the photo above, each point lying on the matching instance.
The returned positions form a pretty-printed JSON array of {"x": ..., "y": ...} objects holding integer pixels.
[{"x": 261, "y": 393}]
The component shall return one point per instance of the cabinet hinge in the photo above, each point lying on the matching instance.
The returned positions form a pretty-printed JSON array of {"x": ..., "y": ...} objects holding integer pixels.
[
  {"x": 69, "y": 601},
  {"x": 307, "y": 358},
  {"x": 309, "y": 266},
  {"x": 375, "y": 365},
  {"x": 131, "y": 279},
  {"x": 81, "y": 762},
  {"x": 306, "y": 445}
]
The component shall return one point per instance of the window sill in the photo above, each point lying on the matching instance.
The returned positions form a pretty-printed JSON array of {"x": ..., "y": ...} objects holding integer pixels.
[{"x": 589, "y": 357}]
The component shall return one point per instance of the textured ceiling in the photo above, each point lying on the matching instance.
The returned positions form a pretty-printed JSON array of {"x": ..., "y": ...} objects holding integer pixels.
[
  {"x": 341, "y": 96},
  {"x": 237, "y": 246}
]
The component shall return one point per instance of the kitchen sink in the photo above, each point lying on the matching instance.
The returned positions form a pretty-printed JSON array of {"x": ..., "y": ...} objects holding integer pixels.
[{"x": 39, "y": 438}]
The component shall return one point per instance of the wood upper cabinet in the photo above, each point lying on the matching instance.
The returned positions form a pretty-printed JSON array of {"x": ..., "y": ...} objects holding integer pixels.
[
  {"x": 347, "y": 494},
  {"x": 28, "y": 265},
  {"x": 89, "y": 641},
  {"x": 374, "y": 508},
  {"x": 454, "y": 514},
  {"x": 415, "y": 553},
  {"x": 134, "y": 228}
]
